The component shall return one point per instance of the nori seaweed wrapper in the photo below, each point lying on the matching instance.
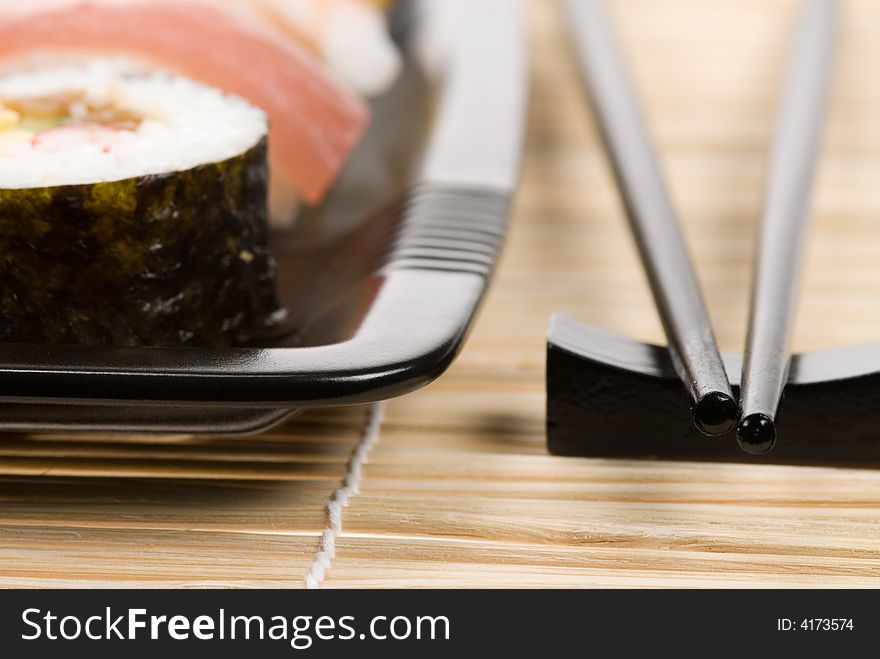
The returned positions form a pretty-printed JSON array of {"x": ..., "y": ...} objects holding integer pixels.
[{"x": 178, "y": 259}]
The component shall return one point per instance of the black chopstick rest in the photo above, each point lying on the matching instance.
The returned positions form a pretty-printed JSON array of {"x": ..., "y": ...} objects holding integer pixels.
[{"x": 784, "y": 225}]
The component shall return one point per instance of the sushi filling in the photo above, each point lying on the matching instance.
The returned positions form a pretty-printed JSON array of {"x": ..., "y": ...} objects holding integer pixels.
[
  {"x": 108, "y": 120},
  {"x": 74, "y": 109}
]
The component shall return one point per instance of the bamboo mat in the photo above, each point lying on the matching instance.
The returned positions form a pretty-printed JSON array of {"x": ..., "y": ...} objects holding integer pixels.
[{"x": 459, "y": 491}]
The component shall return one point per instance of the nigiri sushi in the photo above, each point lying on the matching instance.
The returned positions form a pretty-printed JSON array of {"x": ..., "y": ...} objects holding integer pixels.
[
  {"x": 132, "y": 211},
  {"x": 315, "y": 120}
]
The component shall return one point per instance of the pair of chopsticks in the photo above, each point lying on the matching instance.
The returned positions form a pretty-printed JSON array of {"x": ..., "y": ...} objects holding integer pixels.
[{"x": 692, "y": 344}]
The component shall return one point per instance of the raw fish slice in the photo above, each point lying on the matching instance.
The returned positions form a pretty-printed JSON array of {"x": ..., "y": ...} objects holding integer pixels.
[{"x": 315, "y": 122}]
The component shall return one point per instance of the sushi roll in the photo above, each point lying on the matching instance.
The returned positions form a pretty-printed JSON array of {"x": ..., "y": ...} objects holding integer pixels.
[{"x": 133, "y": 210}]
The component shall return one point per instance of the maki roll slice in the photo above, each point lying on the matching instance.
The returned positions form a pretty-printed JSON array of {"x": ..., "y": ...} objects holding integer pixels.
[{"x": 133, "y": 210}]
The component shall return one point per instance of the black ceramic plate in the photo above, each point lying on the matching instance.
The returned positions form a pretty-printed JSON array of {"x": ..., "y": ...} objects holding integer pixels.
[{"x": 382, "y": 281}]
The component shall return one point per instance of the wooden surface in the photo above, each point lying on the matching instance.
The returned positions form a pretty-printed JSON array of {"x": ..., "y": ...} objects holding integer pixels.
[{"x": 459, "y": 491}]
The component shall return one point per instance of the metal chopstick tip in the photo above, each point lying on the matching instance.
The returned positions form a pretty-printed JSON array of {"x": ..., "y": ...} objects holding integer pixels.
[
  {"x": 715, "y": 413},
  {"x": 756, "y": 434}
]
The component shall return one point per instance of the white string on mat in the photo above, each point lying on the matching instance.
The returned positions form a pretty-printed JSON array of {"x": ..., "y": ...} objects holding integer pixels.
[{"x": 340, "y": 498}]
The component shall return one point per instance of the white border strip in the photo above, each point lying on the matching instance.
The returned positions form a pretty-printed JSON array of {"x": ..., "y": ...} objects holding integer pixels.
[{"x": 339, "y": 500}]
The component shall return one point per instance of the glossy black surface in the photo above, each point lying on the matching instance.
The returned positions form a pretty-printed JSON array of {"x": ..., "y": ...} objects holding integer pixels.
[
  {"x": 756, "y": 434},
  {"x": 383, "y": 280},
  {"x": 610, "y": 396},
  {"x": 715, "y": 413}
]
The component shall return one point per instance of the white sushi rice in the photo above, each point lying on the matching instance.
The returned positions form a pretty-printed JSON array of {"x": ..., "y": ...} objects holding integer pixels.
[{"x": 183, "y": 124}]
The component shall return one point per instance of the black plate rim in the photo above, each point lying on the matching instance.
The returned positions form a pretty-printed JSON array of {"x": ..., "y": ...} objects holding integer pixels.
[{"x": 485, "y": 82}]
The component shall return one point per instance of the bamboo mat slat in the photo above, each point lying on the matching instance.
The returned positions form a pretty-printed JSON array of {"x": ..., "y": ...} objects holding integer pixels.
[{"x": 459, "y": 491}]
